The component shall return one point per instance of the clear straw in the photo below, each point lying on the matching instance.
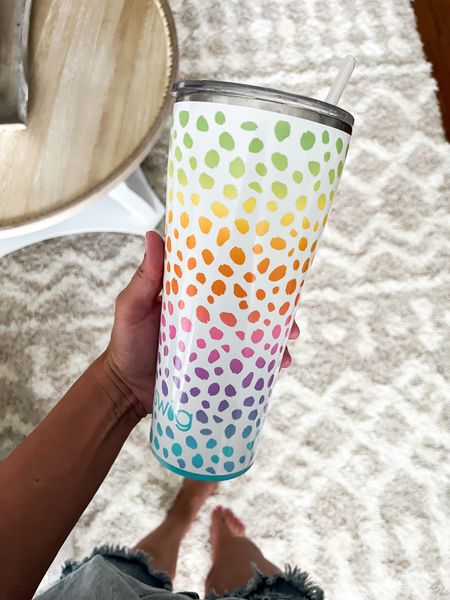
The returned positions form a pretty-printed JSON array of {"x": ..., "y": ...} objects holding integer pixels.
[{"x": 340, "y": 83}]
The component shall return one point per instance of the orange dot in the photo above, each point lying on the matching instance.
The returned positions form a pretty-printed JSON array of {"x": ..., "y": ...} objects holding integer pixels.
[
  {"x": 267, "y": 322},
  {"x": 314, "y": 246},
  {"x": 263, "y": 265},
  {"x": 202, "y": 314},
  {"x": 301, "y": 285},
  {"x": 239, "y": 291},
  {"x": 226, "y": 270},
  {"x": 204, "y": 224},
  {"x": 191, "y": 290},
  {"x": 284, "y": 308},
  {"x": 167, "y": 287},
  {"x": 305, "y": 266},
  {"x": 168, "y": 266},
  {"x": 184, "y": 220},
  {"x": 191, "y": 241},
  {"x": 170, "y": 216},
  {"x": 191, "y": 263},
  {"x": 291, "y": 252},
  {"x": 176, "y": 233},
  {"x": 200, "y": 278},
  {"x": 180, "y": 255},
  {"x": 271, "y": 306},
  {"x": 223, "y": 236},
  {"x": 243, "y": 304},
  {"x": 278, "y": 273},
  {"x": 218, "y": 287},
  {"x": 178, "y": 270},
  {"x": 249, "y": 277},
  {"x": 291, "y": 286},
  {"x": 169, "y": 244},
  {"x": 181, "y": 304},
  {"x": 210, "y": 299},
  {"x": 278, "y": 243},
  {"x": 303, "y": 243},
  {"x": 237, "y": 255},
  {"x": 257, "y": 249},
  {"x": 260, "y": 294},
  {"x": 228, "y": 318},
  {"x": 174, "y": 286},
  {"x": 297, "y": 299},
  {"x": 254, "y": 316},
  {"x": 296, "y": 264},
  {"x": 275, "y": 290},
  {"x": 207, "y": 256}
]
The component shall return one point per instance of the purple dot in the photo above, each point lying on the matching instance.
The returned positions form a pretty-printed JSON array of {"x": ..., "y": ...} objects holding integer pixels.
[
  {"x": 257, "y": 336},
  {"x": 184, "y": 398},
  {"x": 166, "y": 372},
  {"x": 230, "y": 430},
  {"x": 236, "y": 365},
  {"x": 164, "y": 336},
  {"x": 217, "y": 419},
  {"x": 223, "y": 405},
  {"x": 236, "y": 414},
  {"x": 260, "y": 363},
  {"x": 195, "y": 391},
  {"x": 205, "y": 404},
  {"x": 201, "y": 373},
  {"x": 266, "y": 406},
  {"x": 266, "y": 346},
  {"x": 166, "y": 350},
  {"x": 274, "y": 349},
  {"x": 230, "y": 390},
  {"x": 181, "y": 345},
  {"x": 201, "y": 343},
  {"x": 177, "y": 362},
  {"x": 201, "y": 416},
  {"x": 159, "y": 372},
  {"x": 253, "y": 414},
  {"x": 176, "y": 381},
  {"x": 213, "y": 389},
  {"x": 250, "y": 401},
  {"x": 271, "y": 365},
  {"x": 247, "y": 379},
  {"x": 276, "y": 331},
  {"x": 261, "y": 400},
  {"x": 247, "y": 352},
  {"x": 259, "y": 384},
  {"x": 165, "y": 389},
  {"x": 159, "y": 357},
  {"x": 213, "y": 356},
  {"x": 192, "y": 356},
  {"x": 258, "y": 422},
  {"x": 218, "y": 370},
  {"x": 187, "y": 378},
  {"x": 271, "y": 378}
]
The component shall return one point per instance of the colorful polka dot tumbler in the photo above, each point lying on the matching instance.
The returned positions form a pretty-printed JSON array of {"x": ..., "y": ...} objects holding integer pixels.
[{"x": 251, "y": 178}]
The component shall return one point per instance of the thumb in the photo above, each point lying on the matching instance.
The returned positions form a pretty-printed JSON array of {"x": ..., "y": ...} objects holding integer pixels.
[{"x": 136, "y": 300}]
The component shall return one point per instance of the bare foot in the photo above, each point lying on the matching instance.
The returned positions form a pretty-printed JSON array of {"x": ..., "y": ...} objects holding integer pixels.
[{"x": 224, "y": 524}]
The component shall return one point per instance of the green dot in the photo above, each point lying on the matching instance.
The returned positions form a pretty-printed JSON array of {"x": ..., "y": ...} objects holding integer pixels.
[
  {"x": 249, "y": 126},
  {"x": 325, "y": 137},
  {"x": 279, "y": 189},
  {"x": 316, "y": 185},
  {"x": 170, "y": 168},
  {"x": 331, "y": 175},
  {"x": 176, "y": 449},
  {"x": 206, "y": 181},
  {"x": 282, "y": 130},
  {"x": 255, "y": 145},
  {"x": 211, "y": 443},
  {"x": 314, "y": 167},
  {"x": 228, "y": 451},
  {"x": 279, "y": 161},
  {"x": 170, "y": 142},
  {"x": 307, "y": 140},
  {"x": 175, "y": 133},
  {"x": 226, "y": 141},
  {"x": 187, "y": 140},
  {"x": 215, "y": 459},
  {"x": 156, "y": 442},
  {"x": 178, "y": 153},
  {"x": 340, "y": 167},
  {"x": 326, "y": 156},
  {"x": 197, "y": 461},
  {"x": 193, "y": 163},
  {"x": 297, "y": 176},
  {"x": 339, "y": 145},
  {"x": 237, "y": 167},
  {"x": 261, "y": 169},
  {"x": 202, "y": 124},
  {"x": 212, "y": 159},
  {"x": 184, "y": 118},
  {"x": 230, "y": 191},
  {"x": 219, "y": 118},
  {"x": 250, "y": 445},
  {"x": 254, "y": 185},
  {"x": 181, "y": 175}
]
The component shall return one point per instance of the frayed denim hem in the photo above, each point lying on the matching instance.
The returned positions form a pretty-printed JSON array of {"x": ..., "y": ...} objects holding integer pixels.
[
  {"x": 291, "y": 583},
  {"x": 121, "y": 552}
]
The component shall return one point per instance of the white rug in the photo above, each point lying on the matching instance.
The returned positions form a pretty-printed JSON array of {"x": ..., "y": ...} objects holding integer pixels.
[{"x": 352, "y": 481}]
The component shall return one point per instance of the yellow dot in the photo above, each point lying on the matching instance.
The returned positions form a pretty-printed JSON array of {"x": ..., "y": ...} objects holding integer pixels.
[
  {"x": 272, "y": 205},
  {"x": 325, "y": 219},
  {"x": 301, "y": 202},
  {"x": 262, "y": 227},
  {"x": 204, "y": 224},
  {"x": 230, "y": 191},
  {"x": 219, "y": 209},
  {"x": 316, "y": 226},
  {"x": 180, "y": 198},
  {"x": 242, "y": 225},
  {"x": 293, "y": 232},
  {"x": 195, "y": 199},
  {"x": 306, "y": 224},
  {"x": 287, "y": 219},
  {"x": 322, "y": 201},
  {"x": 170, "y": 195},
  {"x": 249, "y": 205},
  {"x": 278, "y": 243},
  {"x": 331, "y": 196}
]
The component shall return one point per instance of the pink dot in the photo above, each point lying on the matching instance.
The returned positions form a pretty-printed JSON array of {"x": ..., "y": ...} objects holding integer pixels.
[
  {"x": 172, "y": 331},
  {"x": 215, "y": 333},
  {"x": 288, "y": 320},
  {"x": 186, "y": 324},
  {"x": 213, "y": 356},
  {"x": 192, "y": 356},
  {"x": 240, "y": 334},
  {"x": 164, "y": 336},
  {"x": 170, "y": 308},
  {"x": 257, "y": 336},
  {"x": 276, "y": 331},
  {"x": 226, "y": 347},
  {"x": 247, "y": 352},
  {"x": 166, "y": 350},
  {"x": 164, "y": 306},
  {"x": 201, "y": 343},
  {"x": 181, "y": 346},
  {"x": 267, "y": 322},
  {"x": 266, "y": 346},
  {"x": 236, "y": 366},
  {"x": 163, "y": 320},
  {"x": 274, "y": 349}
]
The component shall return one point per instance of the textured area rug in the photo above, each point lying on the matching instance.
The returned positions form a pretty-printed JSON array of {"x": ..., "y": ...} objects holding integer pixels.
[{"x": 352, "y": 481}]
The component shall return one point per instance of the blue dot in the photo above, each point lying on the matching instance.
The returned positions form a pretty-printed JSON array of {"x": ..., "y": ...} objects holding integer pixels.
[
  {"x": 169, "y": 432},
  {"x": 215, "y": 458},
  {"x": 176, "y": 449},
  {"x": 247, "y": 431},
  {"x": 181, "y": 463},
  {"x": 170, "y": 414},
  {"x": 205, "y": 431},
  {"x": 230, "y": 390},
  {"x": 258, "y": 422},
  {"x": 228, "y": 451},
  {"x": 159, "y": 429},
  {"x": 253, "y": 414},
  {"x": 250, "y": 445},
  {"x": 228, "y": 466},
  {"x": 242, "y": 459},
  {"x": 197, "y": 460},
  {"x": 184, "y": 398},
  {"x": 211, "y": 470},
  {"x": 201, "y": 416},
  {"x": 230, "y": 430},
  {"x": 166, "y": 453},
  {"x": 211, "y": 444},
  {"x": 217, "y": 419},
  {"x": 236, "y": 414},
  {"x": 191, "y": 442},
  {"x": 156, "y": 442},
  {"x": 165, "y": 389},
  {"x": 195, "y": 391},
  {"x": 151, "y": 434}
]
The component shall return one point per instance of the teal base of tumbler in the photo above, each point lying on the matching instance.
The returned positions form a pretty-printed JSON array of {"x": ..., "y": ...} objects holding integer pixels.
[{"x": 190, "y": 475}]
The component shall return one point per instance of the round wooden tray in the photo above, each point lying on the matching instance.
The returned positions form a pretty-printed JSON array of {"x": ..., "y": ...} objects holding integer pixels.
[{"x": 100, "y": 73}]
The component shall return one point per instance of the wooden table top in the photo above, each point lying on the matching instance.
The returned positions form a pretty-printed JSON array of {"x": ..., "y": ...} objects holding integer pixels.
[{"x": 100, "y": 74}]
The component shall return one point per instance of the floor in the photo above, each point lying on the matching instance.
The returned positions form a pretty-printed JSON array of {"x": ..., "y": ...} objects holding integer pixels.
[{"x": 433, "y": 23}]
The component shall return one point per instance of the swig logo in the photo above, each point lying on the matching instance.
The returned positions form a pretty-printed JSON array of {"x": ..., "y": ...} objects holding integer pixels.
[{"x": 182, "y": 418}]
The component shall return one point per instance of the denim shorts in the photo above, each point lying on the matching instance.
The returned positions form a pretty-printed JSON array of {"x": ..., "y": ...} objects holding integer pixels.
[{"x": 115, "y": 573}]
